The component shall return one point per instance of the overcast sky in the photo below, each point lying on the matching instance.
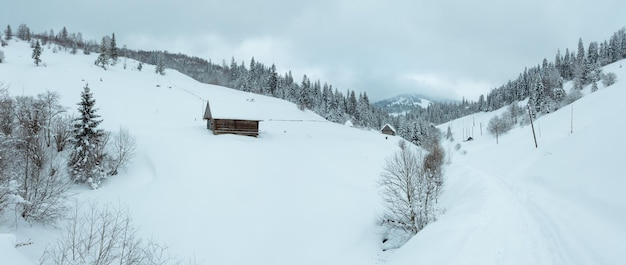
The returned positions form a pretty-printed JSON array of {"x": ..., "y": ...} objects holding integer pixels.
[{"x": 443, "y": 48}]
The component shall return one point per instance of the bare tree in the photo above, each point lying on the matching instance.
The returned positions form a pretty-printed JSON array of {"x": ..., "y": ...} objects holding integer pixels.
[
  {"x": 121, "y": 151},
  {"x": 49, "y": 104},
  {"x": 410, "y": 187},
  {"x": 433, "y": 176},
  {"x": 61, "y": 129},
  {"x": 400, "y": 189},
  {"x": 9, "y": 193},
  {"x": 37, "y": 167}
]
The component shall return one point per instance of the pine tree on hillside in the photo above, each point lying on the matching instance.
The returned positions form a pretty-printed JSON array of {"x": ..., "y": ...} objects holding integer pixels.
[
  {"x": 113, "y": 51},
  {"x": 594, "y": 86},
  {"x": 272, "y": 80},
  {"x": 559, "y": 92},
  {"x": 8, "y": 33},
  {"x": 86, "y": 158},
  {"x": 64, "y": 37},
  {"x": 159, "y": 67},
  {"x": 582, "y": 68},
  {"x": 103, "y": 58},
  {"x": 37, "y": 53},
  {"x": 537, "y": 100}
]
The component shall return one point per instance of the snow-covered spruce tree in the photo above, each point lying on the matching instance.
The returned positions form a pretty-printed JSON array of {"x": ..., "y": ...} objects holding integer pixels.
[
  {"x": 1, "y": 56},
  {"x": 8, "y": 33},
  {"x": 113, "y": 51},
  {"x": 37, "y": 53},
  {"x": 159, "y": 67},
  {"x": 103, "y": 58},
  {"x": 86, "y": 159}
]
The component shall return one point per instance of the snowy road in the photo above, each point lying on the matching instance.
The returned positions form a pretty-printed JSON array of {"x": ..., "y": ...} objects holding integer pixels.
[{"x": 516, "y": 225}]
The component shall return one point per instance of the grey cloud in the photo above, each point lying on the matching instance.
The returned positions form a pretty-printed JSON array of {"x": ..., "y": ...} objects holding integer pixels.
[{"x": 363, "y": 45}]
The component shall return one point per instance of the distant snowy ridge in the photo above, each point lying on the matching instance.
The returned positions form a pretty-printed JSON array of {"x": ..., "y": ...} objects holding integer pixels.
[{"x": 401, "y": 104}]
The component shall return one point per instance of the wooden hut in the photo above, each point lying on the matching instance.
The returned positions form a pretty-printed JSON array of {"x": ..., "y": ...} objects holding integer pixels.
[
  {"x": 229, "y": 124},
  {"x": 388, "y": 129}
]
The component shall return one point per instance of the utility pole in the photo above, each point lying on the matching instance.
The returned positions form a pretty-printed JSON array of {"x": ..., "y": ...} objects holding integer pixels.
[
  {"x": 572, "y": 122},
  {"x": 496, "y": 133},
  {"x": 531, "y": 125}
]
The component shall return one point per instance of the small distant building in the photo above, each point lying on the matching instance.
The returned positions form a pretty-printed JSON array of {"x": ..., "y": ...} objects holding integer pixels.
[
  {"x": 388, "y": 129},
  {"x": 231, "y": 124}
]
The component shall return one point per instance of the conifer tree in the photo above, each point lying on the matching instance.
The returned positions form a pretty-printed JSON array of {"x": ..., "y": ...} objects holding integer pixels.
[
  {"x": 273, "y": 80},
  {"x": 159, "y": 68},
  {"x": 103, "y": 58},
  {"x": 86, "y": 158},
  {"x": 37, "y": 53},
  {"x": 594, "y": 86},
  {"x": 8, "y": 33},
  {"x": 113, "y": 51},
  {"x": 64, "y": 37},
  {"x": 559, "y": 92}
]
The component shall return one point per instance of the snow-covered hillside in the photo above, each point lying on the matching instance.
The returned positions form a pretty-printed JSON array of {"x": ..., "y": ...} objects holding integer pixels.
[
  {"x": 305, "y": 192},
  {"x": 512, "y": 203}
]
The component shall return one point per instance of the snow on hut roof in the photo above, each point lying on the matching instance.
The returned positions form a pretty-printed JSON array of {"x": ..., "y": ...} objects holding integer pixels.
[
  {"x": 234, "y": 109},
  {"x": 228, "y": 103},
  {"x": 390, "y": 127}
]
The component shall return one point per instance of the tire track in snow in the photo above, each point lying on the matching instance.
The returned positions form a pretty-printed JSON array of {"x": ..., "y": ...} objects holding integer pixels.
[{"x": 518, "y": 232}]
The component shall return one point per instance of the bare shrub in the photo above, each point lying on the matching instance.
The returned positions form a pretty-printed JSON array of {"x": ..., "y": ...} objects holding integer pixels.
[
  {"x": 121, "y": 150},
  {"x": 609, "y": 79},
  {"x": 499, "y": 126},
  {"x": 433, "y": 174},
  {"x": 61, "y": 131},
  {"x": 8, "y": 193},
  {"x": 104, "y": 235}
]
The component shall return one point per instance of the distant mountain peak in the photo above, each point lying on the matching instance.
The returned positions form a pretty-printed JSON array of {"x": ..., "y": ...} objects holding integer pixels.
[{"x": 406, "y": 102}]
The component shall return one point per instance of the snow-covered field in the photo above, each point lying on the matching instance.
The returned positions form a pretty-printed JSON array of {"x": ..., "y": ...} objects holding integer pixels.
[{"x": 305, "y": 192}]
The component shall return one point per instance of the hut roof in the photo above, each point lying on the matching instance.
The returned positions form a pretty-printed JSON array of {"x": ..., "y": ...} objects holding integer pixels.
[
  {"x": 388, "y": 126},
  {"x": 245, "y": 110}
]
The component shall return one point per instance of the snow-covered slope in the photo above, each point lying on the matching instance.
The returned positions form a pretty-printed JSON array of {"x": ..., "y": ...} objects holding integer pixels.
[
  {"x": 512, "y": 203},
  {"x": 303, "y": 192}
]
